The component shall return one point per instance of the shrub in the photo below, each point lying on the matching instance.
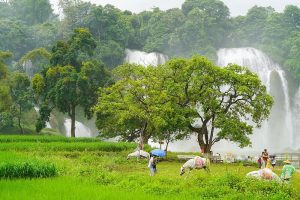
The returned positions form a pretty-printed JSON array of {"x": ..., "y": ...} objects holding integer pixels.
[
  {"x": 27, "y": 170},
  {"x": 6, "y": 120}
]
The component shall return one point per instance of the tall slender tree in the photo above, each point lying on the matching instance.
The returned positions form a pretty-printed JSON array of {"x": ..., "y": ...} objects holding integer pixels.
[{"x": 71, "y": 80}]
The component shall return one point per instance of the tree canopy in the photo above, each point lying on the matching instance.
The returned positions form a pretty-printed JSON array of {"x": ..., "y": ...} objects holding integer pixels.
[
  {"x": 216, "y": 103},
  {"x": 71, "y": 80},
  {"x": 198, "y": 27}
]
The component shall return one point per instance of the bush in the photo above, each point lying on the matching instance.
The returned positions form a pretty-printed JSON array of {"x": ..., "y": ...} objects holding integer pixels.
[
  {"x": 6, "y": 120},
  {"x": 27, "y": 170}
]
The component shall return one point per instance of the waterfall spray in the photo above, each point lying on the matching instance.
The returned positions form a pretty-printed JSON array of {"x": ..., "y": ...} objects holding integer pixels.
[{"x": 259, "y": 63}]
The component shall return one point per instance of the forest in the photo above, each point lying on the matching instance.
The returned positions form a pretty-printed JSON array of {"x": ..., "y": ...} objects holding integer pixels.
[
  {"x": 61, "y": 73},
  {"x": 199, "y": 27},
  {"x": 86, "y": 44}
]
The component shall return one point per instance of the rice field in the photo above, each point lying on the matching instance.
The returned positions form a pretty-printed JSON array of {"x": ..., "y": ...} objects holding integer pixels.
[{"x": 92, "y": 169}]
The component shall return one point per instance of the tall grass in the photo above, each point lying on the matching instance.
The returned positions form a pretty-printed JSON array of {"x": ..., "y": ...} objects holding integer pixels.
[
  {"x": 66, "y": 146},
  {"x": 28, "y": 169},
  {"x": 60, "y": 143},
  {"x": 43, "y": 138}
]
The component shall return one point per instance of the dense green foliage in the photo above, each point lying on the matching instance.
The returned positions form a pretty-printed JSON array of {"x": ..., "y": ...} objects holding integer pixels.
[
  {"x": 29, "y": 29},
  {"x": 135, "y": 106},
  {"x": 164, "y": 100},
  {"x": 22, "y": 97},
  {"x": 6, "y": 100},
  {"x": 199, "y": 27},
  {"x": 71, "y": 80},
  {"x": 108, "y": 175},
  {"x": 16, "y": 95}
]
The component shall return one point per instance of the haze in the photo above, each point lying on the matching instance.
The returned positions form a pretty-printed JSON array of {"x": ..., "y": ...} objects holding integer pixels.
[{"x": 237, "y": 7}]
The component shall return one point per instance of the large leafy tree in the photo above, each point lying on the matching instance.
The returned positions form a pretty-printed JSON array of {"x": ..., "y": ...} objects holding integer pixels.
[
  {"x": 110, "y": 27},
  {"x": 216, "y": 103},
  {"x": 71, "y": 80},
  {"x": 124, "y": 108},
  {"x": 137, "y": 107},
  {"x": 228, "y": 101}
]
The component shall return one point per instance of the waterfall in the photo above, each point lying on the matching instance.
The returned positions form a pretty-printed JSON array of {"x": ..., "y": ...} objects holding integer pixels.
[
  {"x": 37, "y": 109},
  {"x": 276, "y": 133},
  {"x": 28, "y": 68},
  {"x": 80, "y": 129},
  {"x": 143, "y": 58},
  {"x": 296, "y": 116}
]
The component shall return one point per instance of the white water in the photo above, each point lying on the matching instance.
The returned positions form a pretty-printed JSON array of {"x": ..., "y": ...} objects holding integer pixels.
[
  {"x": 275, "y": 134},
  {"x": 80, "y": 129},
  {"x": 28, "y": 68},
  {"x": 296, "y": 117},
  {"x": 37, "y": 109},
  {"x": 145, "y": 59}
]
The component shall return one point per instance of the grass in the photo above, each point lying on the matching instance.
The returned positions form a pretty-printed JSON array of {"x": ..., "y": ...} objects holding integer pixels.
[
  {"x": 13, "y": 165},
  {"x": 43, "y": 138},
  {"x": 65, "y": 188},
  {"x": 28, "y": 169},
  {"x": 104, "y": 173}
]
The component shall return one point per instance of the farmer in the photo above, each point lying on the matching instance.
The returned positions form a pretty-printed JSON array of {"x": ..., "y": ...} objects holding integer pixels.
[
  {"x": 152, "y": 164},
  {"x": 260, "y": 161},
  {"x": 269, "y": 164},
  {"x": 273, "y": 161},
  {"x": 265, "y": 157},
  {"x": 287, "y": 171}
]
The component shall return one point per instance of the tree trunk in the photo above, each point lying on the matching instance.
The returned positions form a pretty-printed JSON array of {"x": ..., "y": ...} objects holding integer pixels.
[
  {"x": 143, "y": 137},
  {"x": 73, "y": 121},
  {"x": 166, "y": 149},
  {"x": 206, "y": 144},
  {"x": 19, "y": 121}
]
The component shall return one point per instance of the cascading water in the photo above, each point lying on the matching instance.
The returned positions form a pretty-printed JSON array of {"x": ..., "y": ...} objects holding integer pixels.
[
  {"x": 296, "y": 117},
  {"x": 275, "y": 134},
  {"x": 143, "y": 58},
  {"x": 80, "y": 129},
  {"x": 28, "y": 68},
  {"x": 37, "y": 109}
]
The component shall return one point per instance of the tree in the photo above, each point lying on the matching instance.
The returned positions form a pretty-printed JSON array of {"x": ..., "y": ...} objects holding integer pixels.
[
  {"x": 5, "y": 9},
  {"x": 6, "y": 118},
  {"x": 32, "y": 11},
  {"x": 226, "y": 100},
  {"x": 71, "y": 80},
  {"x": 138, "y": 107},
  {"x": 14, "y": 37},
  {"x": 22, "y": 97},
  {"x": 34, "y": 61},
  {"x": 124, "y": 107},
  {"x": 5, "y": 98},
  {"x": 165, "y": 101}
]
